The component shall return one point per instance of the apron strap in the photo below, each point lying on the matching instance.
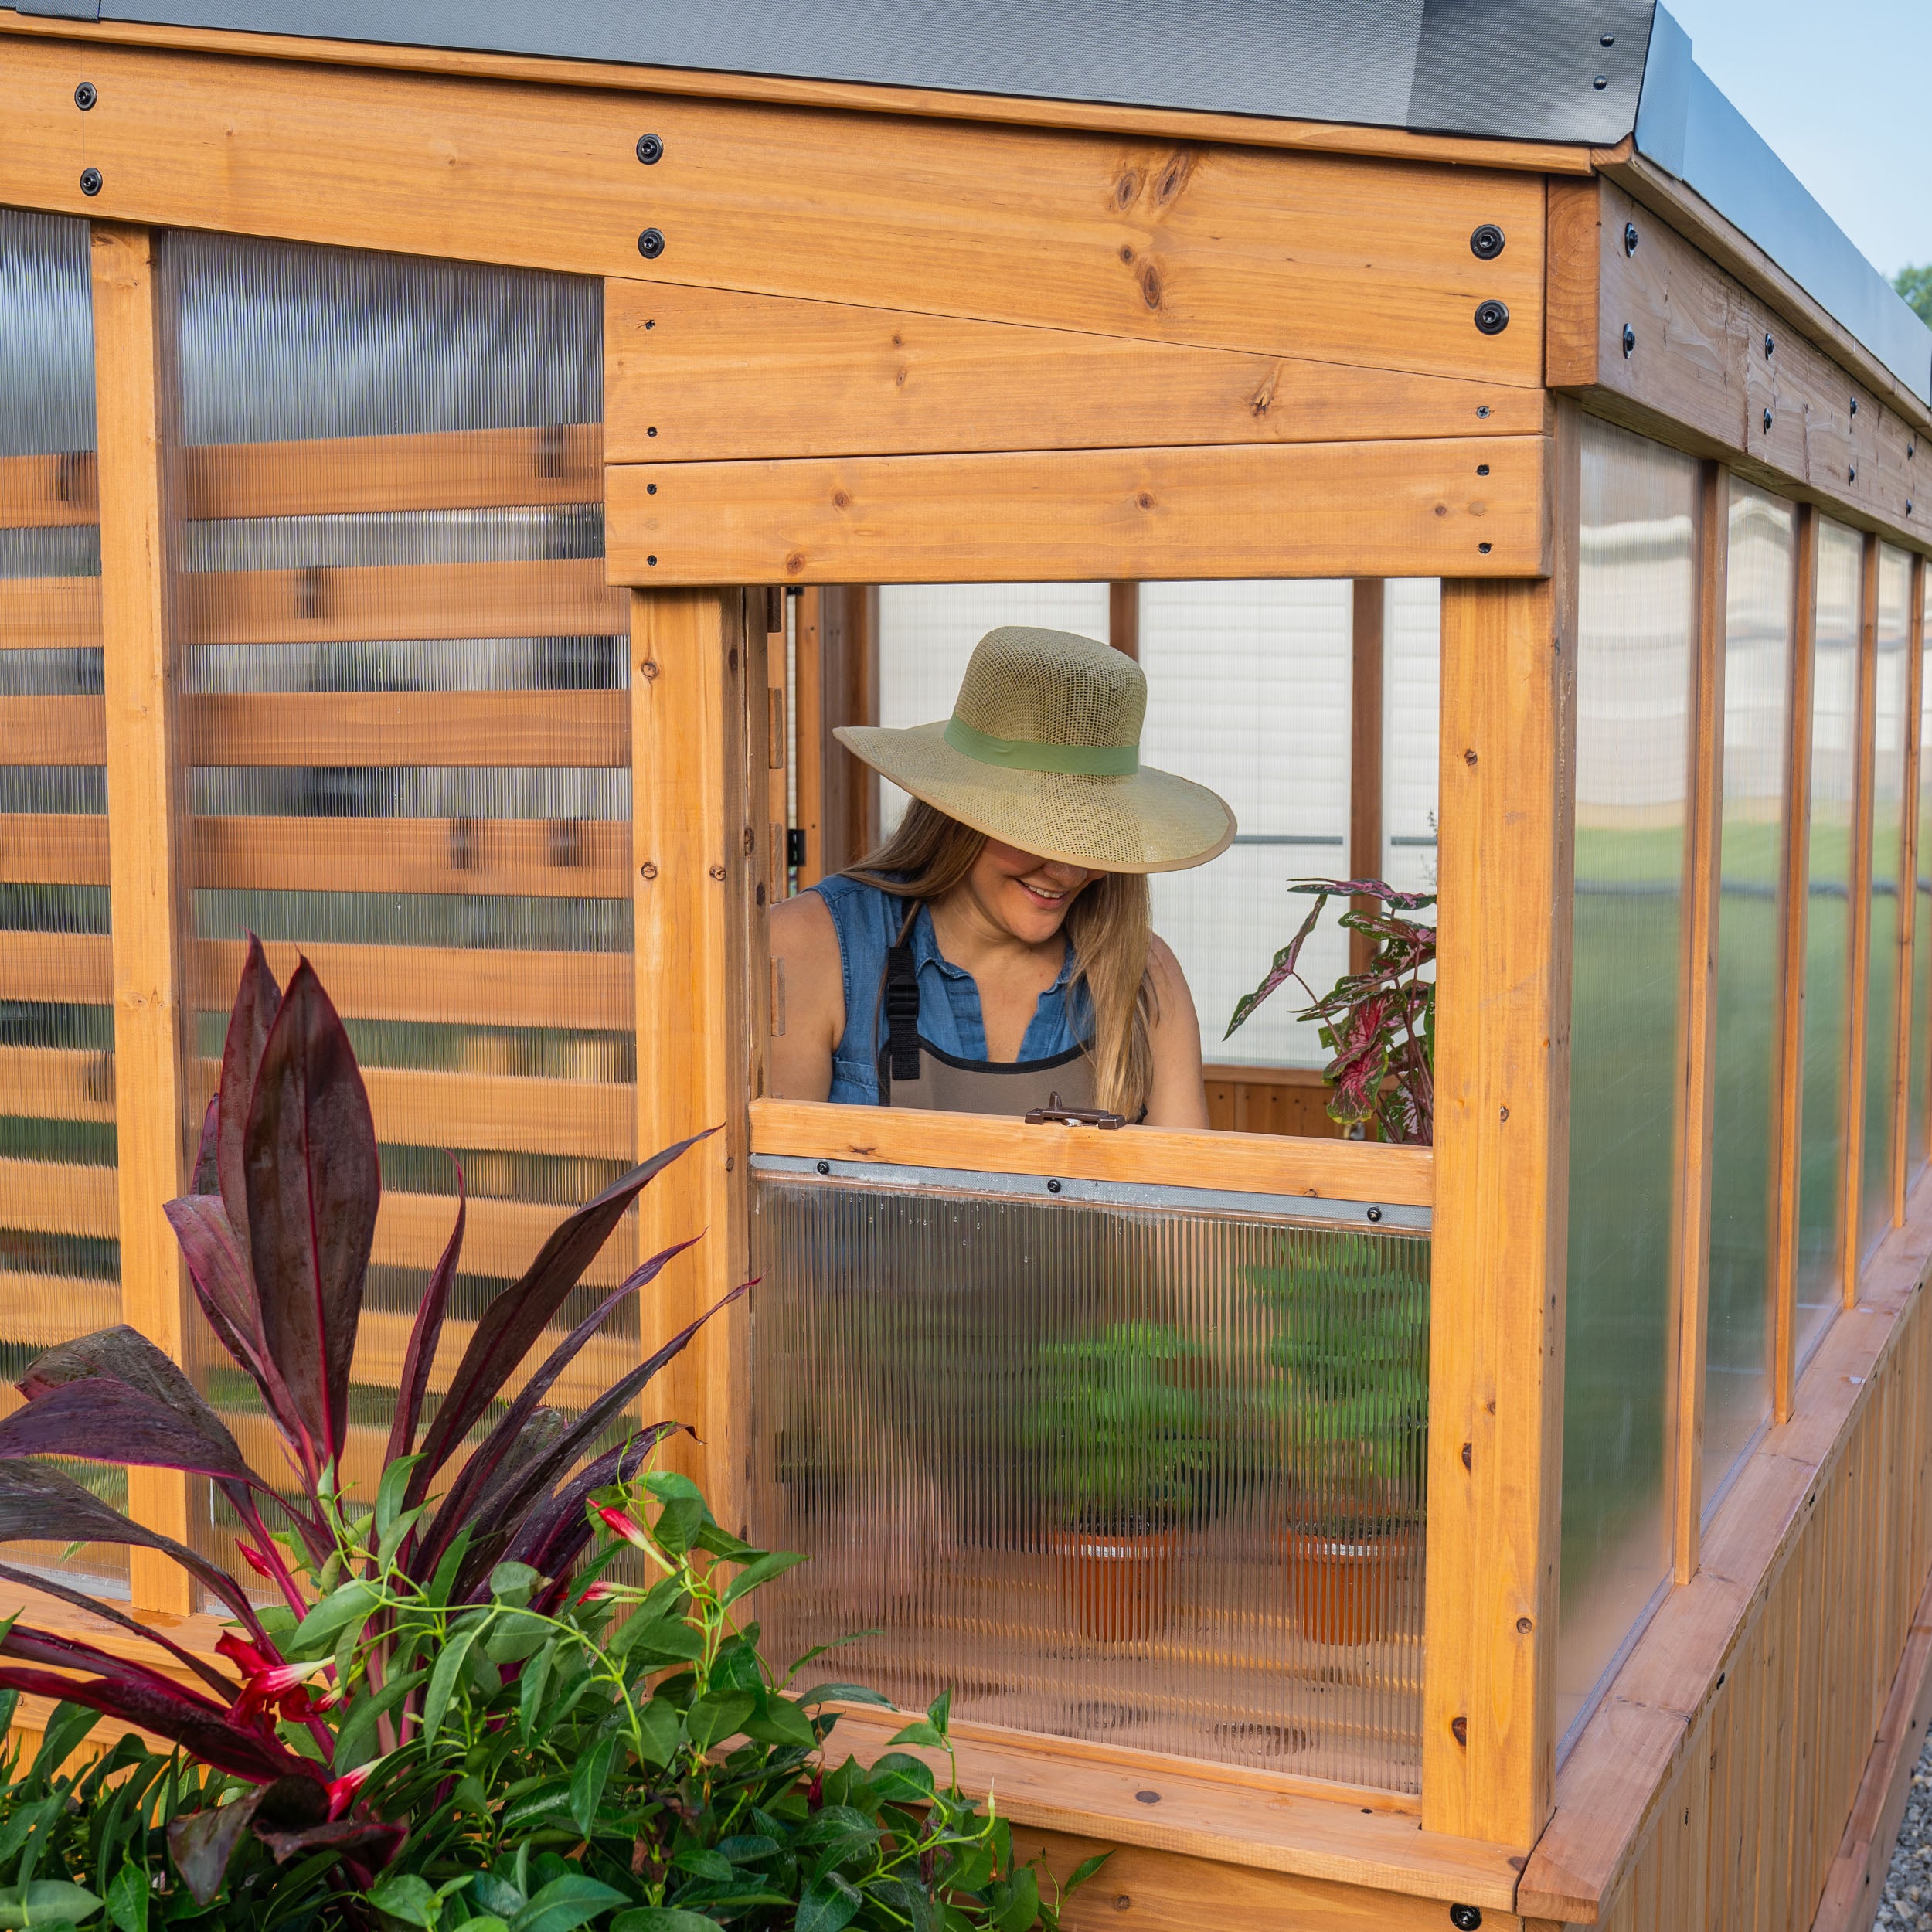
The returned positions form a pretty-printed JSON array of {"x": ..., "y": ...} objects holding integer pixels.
[{"x": 900, "y": 990}]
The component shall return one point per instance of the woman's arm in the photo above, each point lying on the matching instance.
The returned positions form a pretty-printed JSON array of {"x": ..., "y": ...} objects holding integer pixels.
[
  {"x": 808, "y": 998},
  {"x": 1177, "y": 1098}
]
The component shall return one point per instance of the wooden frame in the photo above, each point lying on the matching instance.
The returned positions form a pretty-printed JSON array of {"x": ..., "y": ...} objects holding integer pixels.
[{"x": 1859, "y": 966}]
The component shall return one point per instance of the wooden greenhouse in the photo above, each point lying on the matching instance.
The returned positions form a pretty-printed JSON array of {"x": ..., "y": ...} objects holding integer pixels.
[{"x": 458, "y": 463}]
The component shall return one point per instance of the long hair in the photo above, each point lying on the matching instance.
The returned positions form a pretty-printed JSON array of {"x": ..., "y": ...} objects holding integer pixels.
[{"x": 1109, "y": 925}]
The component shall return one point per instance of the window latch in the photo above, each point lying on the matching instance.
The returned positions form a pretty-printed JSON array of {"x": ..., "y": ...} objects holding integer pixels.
[{"x": 1073, "y": 1116}]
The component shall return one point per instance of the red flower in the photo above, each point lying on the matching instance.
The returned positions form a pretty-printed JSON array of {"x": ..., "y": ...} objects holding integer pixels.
[
  {"x": 342, "y": 1793},
  {"x": 620, "y": 1524},
  {"x": 268, "y": 1685},
  {"x": 256, "y": 1561}
]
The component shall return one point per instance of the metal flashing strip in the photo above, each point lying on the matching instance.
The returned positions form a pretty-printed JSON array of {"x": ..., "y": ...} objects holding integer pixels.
[{"x": 1309, "y": 1210}]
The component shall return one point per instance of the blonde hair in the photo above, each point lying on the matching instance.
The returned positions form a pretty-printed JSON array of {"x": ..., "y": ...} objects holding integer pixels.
[{"x": 1109, "y": 925}]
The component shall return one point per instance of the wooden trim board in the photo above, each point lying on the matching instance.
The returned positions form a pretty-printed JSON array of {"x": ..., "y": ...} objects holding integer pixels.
[
  {"x": 1240, "y": 1163},
  {"x": 54, "y": 730},
  {"x": 1467, "y": 507},
  {"x": 1859, "y": 965},
  {"x": 54, "y": 848}
]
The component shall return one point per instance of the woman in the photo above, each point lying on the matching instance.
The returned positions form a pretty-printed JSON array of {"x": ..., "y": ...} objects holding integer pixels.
[{"x": 996, "y": 951}]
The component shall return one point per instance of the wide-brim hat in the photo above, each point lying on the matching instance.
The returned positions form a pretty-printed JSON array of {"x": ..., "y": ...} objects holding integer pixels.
[{"x": 1043, "y": 751}]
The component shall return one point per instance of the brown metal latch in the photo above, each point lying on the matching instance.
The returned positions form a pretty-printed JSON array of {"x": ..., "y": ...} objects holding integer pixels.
[{"x": 1073, "y": 1116}]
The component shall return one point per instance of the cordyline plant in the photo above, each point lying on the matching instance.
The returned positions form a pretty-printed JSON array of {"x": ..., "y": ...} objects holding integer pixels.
[
  {"x": 1380, "y": 1024},
  {"x": 276, "y": 1235}
]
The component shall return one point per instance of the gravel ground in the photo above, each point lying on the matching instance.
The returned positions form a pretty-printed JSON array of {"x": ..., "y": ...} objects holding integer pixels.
[{"x": 1907, "y": 1904}]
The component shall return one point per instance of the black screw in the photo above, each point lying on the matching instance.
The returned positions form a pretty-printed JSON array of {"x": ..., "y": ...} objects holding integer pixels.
[
  {"x": 651, "y": 243},
  {"x": 1487, "y": 242},
  {"x": 1485, "y": 548},
  {"x": 1465, "y": 1918},
  {"x": 1630, "y": 341},
  {"x": 90, "y": 181},
  {"x": 1770, "y": 348},
  {"x": 85, "y": 95},
  {"x": 1600, "y": 83},
  {"x": 650, "y": 149},
  {"x": 824, "y": 1167},
  {"x": 1147, "y": 1798},
  {"x": 1482, "y": 469},
  {"x": 1630, "y": 238},
  {"x": 1482, "y": 410},
  {"x": 652, "y": 561},
  {"x": 651, "y": 489},
  {"x": 1053, "y": 1187},
  {"x": 1375, "y": 1214},
  {"x": 1852, "y": 474},
  {"x": 1492, "y": 317},
  {"x": 652, "y": 430},
  {"x": 1768, "y": 421},
  {"x": 1854, "y": 405},
  {"x": 1606, "y": 40}
]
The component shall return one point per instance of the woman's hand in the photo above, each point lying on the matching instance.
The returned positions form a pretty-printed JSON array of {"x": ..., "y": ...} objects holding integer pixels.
[{"x": 1177, "y": 1097}]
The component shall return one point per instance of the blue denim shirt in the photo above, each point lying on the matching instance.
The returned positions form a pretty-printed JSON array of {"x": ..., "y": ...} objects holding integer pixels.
[{"x": 868, "y": 922}]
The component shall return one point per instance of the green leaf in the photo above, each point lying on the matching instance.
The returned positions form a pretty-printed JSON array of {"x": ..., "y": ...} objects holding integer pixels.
[
  {"x": 445, "y": 1677},
  {"x": 940, "y": 1711},
  {"x": 356, "y": 1741},
  {"x": 46, "y": 1902},
  {"x": 512, "y": 1584},
  {"x": 348, "y": 1608},
  {"x": 897, "y": 1779},
  {"x": 1021, "y": 1909},
  {"x": 392, "y": 1537},
  {"x": 516, "y": 1635},
  {"x": 565, "y": 1904},
  {"x": 828, "y": 1906},
  {"x": 1085, "y": 1869},
  {"x": 530, "y": 1687},
  {"x": 783, "y": 1723},
  {"x": 587, "y": 1782},
  {"x": 127, "y": 1899},
  {"x": 717, "y": 1715},
  {"x": 437, "y": 1595},
  {"x": 658, "y": 1724},
  {"x": 841, "y": 1694},
  {"x": 921, "y": 1733},
  {"x": 761, "y": 1572},
  {"x": 661, "y": 1918},
  {"x": 404, "y": 1895},
  {"x": 703, "y": 1863},
  {"x": 658, "y": 1640},
  {"x": 391, "y": 1490}
]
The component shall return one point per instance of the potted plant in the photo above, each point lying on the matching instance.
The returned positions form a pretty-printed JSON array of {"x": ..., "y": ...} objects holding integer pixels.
[
  {"x": 1349, "y": 1402},
  {"x": 1126, "y": 1461},
  {"x": 1380, "y": 1024}
]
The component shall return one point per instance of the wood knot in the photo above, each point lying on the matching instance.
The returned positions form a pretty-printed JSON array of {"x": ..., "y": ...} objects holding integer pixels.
[
  {"x": 1174, "y": 177},
  {"x": 840, "y": 500},
  {"x": 1145, "y": 500},
  {"x": 1151, "y": 286},
  {"x": 1459, "y": 1730},
  {"x": 717, "y": 873},
  {"x": 1126, "y": 189},
  {"x": 793, "y": 564}
]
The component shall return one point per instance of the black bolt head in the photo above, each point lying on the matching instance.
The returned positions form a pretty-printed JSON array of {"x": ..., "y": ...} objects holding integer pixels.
[
  {"x": 1854, "y": 405},
  {"x": 651, "y": 243},
  {"x": 650, "y": 149},
  {"x": 1465, "y": 1918},
  {"x": 1486, "y": 244},
  {"x": 1606, "y": 40},
  {"x": 1768, "y": 421},
  {"x": 1053, "y": 1187},
  {"x": 90, "y": 181},
  {"x": 1770, "y": 348},
  {"x": 1484, "y": 548},
  {"x": 1482, "y": 469},
  {"x": 824, "y": 1167},
  {"x": 1630, "y": 341},
  {"x": 1375, "y": 1214},
  {"x": 1482, "y": 409},
  {"x": 1600, "y": 83},
  {"x": 85, "y": 95},
  {"x": 1492, "y": 317},
  {"x": 1630, "y": 238},
  {"x": 1852, "y": 474}
]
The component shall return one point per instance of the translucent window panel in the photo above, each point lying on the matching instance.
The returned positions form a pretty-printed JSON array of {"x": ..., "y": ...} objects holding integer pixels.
[
  {"x": 1134, "y": 1475},
  {"x": 1827, "y": 935},
  {"x": 1248, "y": 692},
  {"x": 926, "y": 632},
  {"x": 1757, "y": 706},
  {"x": 59, "y": 1251},
  {"x": 407, "y": 704},
  {"x": 1918, "y": 1133},
  {"x": 1411, "y": 723},
  {"x": 1880, "y": 1139},
  {"x": 1636, "y": 630}
]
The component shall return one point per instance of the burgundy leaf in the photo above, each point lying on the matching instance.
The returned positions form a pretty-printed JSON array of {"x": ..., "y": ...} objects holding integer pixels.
[
  {"x": 257, "y": 1000},
  {"x": 47, "y": 1586},
  {"x": 102, "y": 1419},
  {"x": 553, "y": 1535},
  {"x": 345, "y": 1834},
  {"x": 202, "y": 1843},
  {"x": 207, "y": 1178},
  {"x": 1365, "y": 889},
  {"x": 480, "y": 1473},
  {"x": 313, "y": 1185},
  {"x": 512, "y": 1322},
  {"x": 425, "y": 1332}
]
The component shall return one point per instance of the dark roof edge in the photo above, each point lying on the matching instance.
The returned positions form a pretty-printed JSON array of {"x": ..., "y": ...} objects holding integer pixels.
[{"x": 1687, "y": 127}]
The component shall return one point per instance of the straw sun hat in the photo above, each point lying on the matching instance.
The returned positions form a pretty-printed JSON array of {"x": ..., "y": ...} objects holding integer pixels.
[{"x": 1043, "y": 752}]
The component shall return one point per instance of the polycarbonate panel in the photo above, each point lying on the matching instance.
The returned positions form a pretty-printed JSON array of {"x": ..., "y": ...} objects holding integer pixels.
[
  {"x": 407, "y": 696},
  {"x": 1248, "y": 692},
  {"x": 1919, "y": 1132},
  {"x": 1136, "y": 1475},
  {"x": 1880, "y": 1139},
  {"x": 1636, "y": 631},
  {"x": 1828, "y": 935},
  {"x": 1411, "y": 724},
  {"x": 60, "y": 1253},
  {"x": 926, "y": 632},
  {"x": 1758, "y": 720}
]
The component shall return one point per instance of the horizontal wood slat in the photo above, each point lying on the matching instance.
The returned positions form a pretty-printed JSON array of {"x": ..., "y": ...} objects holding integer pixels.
[
  {"x": 1308, "y": 509},
  {"x": 1239, "y": 1163},
  {"x": 709, "y": 374},
  {"x": 1363, "y": 262},
  {"x": 56, "y": 1083},
  {"x": 53, "y": 847},
  {"x": 58, "y": 1197},
  {"x": 547, "y": 597},
  {"x": 535, "y": 858},
  {"x": 72, "y": 968},
  {"x": 40, "y": 1310},
  {"x": 49, "y": 614},
  {"x": 450, "y": 470},
  {"x": 54, "y": 731},
  {"x": 491, "y": 728}
]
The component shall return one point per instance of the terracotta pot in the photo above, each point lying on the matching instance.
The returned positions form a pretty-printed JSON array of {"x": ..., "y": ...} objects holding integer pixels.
[
  {"x": 1343, "y": 1592},
  {"x": 1117, "y": 1586}
]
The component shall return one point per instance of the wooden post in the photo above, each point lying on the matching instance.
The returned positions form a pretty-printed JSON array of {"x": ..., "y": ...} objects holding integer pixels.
[
  {"x": 1859, "y": 966},
  {"x": 1124, "y": 618},
  {"x": 1903, "y": 1152},
  {"x": 1789, "y": 1073},
  {"x": 775, "y": 745},
  {"x": 145, "y": 821},
  {"x": 698, "y": 833},
  {"x": 837, "y": 652},
  {"x": 1364, "y": 751},
  {"x": 1690, "y": 1208},
  {"x": 1502, "y": 1152}
]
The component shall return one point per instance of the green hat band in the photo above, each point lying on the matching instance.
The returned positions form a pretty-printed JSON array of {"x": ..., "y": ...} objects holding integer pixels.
[{"x": 1023, "y": 754}]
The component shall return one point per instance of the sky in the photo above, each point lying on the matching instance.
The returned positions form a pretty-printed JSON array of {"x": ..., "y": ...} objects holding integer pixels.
[{"x": 1841, "y": 89}]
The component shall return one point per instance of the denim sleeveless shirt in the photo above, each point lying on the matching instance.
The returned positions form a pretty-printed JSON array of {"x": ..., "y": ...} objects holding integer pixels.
[{"x": 867, "y": 921}]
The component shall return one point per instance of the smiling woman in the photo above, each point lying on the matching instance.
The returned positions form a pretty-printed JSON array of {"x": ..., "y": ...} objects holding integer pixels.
[{"x": 996, "y": 951}]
